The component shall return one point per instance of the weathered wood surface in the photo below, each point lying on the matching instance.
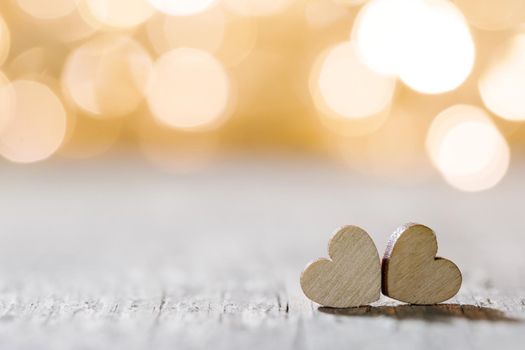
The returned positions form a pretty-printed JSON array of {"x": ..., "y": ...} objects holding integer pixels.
[
  {"x": 120, "y": 256},
  {"x": 246, "y": 314}
]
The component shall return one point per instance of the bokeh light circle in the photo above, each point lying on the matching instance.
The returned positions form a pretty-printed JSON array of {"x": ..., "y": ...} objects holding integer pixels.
[
  {"x": 5, "y": 40},
  {"x": 204, "y": 31},
  {"x": 182, "y": 7},
  {"x": 502, "y": 83},
  {"x": 38, "y": 125},
  {"x": 190, "y": 89},
  {"x": 73, "y": 26},
  {"x": 37, "y": 62},
  {"x": 350, "y": 2},
  {"x": 119, "y": 13},
  {"x": 467, "y": 148},
  {"x": 349, "y": 88},
  {"x": 107, "y": 76},
  {"x": 47, "y": 10},
  {"x": 258, "y": 7},
  {"x": 321, "y": 13},
  {"x": 7, "y": 101},
  {"x": 426, "y": 43}
]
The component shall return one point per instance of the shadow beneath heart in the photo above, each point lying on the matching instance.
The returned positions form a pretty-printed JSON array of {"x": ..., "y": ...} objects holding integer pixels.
[{"x": 439, "y": 312}]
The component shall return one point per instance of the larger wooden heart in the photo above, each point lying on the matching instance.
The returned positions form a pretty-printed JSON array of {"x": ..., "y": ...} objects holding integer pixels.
[
  {"x": 353, "y": 275},
  {"x": 411, "y": 271}
]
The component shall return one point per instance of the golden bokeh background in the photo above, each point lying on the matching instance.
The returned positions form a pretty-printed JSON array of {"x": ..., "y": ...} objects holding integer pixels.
[{"x": 386, "y": 86}]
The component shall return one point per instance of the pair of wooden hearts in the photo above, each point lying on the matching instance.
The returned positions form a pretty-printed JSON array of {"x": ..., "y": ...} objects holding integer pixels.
[{"x": 410, "y": 270}]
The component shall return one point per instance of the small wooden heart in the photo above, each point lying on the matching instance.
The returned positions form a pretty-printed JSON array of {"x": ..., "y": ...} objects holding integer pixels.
[
  {"x": 411, "y": 271},
  {"x": 353, "y": 275}
]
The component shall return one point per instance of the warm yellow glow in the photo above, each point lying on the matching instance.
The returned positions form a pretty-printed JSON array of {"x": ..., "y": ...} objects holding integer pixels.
[
  {"x": 204, "y": 31},
  {"x": 73, "y": 26},
  {"x": 467, "y": 148},
  {"x": 107, "y": 76},
  {"x": 7, "y": 101},
  {"x": 391, "y": 151},
  {"x": 228, "y": 36},
  {"x": 322, "y": 13},
  {"x": 350, "y": 2},
  {"x": 442, "y": 52},
  {"x": 89, "y": 137},
  {"x": 426, "y": 43},
  {"x": 349, "y": 88},
  {"x": 38, "y": 125},
  {"x": 493, "y": 14},
  {"x": 381, "y": 33},
  {"x": 182, "y": 7},
  {"x": 502, "y": 84},
  {"x": 35, "y": 62},
  {"x": 5, "y": 40},
  {"x": 258, "y": 7},
  {"x": 47, "y": 9},
  {"x": 190, "y": 89},
  {"x": 239, "y": 40},
  {"x": 119, "y": 13},
  {"x": 175, "y": 151}
]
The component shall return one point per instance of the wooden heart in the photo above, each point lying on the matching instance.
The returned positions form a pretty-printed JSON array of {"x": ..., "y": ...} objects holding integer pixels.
[
  {"x": 353, "y": 275},
  {"x": 411, "y": 271}
]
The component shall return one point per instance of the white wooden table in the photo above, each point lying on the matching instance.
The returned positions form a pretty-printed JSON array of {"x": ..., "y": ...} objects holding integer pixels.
[{"x": 112, "y": 254}]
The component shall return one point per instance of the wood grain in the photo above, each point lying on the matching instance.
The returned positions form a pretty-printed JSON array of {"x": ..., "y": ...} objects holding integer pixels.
[
  {"x": 353, "y": 275},
  {"x": 134, "y": 312},
  {"x": 412, "y": 273},
  {"x": 119, "y": 256}
]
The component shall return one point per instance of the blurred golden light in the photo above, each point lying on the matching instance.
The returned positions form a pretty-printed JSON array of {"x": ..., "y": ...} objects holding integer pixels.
[
  {"x": 89, "y": 137},
  {"x": 119, "y": 13},
  {"x": 48, "y": 9},
  {"x": 502, "y": 83},
  {"x": 426, "y": 43},
  {"x": 72, "y": 26},
  {"x": 381, "y": 32},
  {"x": 204, "y": 31},
  {"x": 107, "y": 76},
  {"x": 7, "y": 101},
  {"x": 239, "y": 39},
  {"x": 387, "y": 152},
  {"x": 182, "y": 7},
  {"x": 175, "y": 151},
  {"x": 257, "y": 7},
  {"x": 493, "y": 14},
  {"x": 321, "y": 13},
  {"x": 349, "y": 88},
  {"x": 5, "y": 40},
  {"x": 350, "y": 2},
  {"x": 38, "y": 125},
  {"x": 190, "y": 89},
  {"x": 36, "y": 62},
  {"x": 228, "y": 36},
  {"x": 467, "y": 148}
]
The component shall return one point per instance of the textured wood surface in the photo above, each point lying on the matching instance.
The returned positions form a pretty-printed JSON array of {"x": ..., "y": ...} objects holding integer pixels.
[
  {"x": 411, "y": 271},
  {"x": 352, "y": 275},
  {"x": 118, "y": 255},
  {"x": 246, "y": 312}
]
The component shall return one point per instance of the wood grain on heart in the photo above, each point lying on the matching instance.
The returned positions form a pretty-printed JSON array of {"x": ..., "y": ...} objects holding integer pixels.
[
  {"x": 353, "y": 275},
  {"x": 411, "y": 271}
]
